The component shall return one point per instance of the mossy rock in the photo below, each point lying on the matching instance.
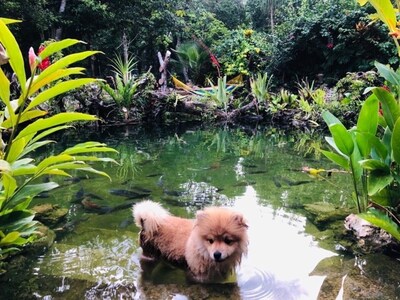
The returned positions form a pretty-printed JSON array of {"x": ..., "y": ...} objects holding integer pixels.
[
  {"x": 50, "y": 214},
  {"x": 321, "y": 214}
]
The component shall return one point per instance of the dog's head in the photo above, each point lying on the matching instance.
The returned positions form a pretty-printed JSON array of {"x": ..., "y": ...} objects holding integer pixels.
[{"x": 223, "y": 233}]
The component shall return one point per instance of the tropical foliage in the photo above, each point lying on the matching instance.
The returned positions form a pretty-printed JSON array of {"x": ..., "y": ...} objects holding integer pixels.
[
  {"x": 26, "y": 128},
  {"x": 373, "y": 156}
]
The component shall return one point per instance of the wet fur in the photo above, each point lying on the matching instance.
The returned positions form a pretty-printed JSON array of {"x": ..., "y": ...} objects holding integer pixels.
[{"x": 211, "y": 245}]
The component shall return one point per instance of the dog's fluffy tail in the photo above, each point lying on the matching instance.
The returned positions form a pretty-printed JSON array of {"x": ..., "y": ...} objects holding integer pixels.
[{"x": 149, "y": 215}]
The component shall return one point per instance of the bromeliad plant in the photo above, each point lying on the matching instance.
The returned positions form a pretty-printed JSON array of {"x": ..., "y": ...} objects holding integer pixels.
[{"x": 19, "y": 172}]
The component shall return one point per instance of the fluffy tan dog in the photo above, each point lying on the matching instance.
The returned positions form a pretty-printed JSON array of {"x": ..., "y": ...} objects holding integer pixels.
[{"x": 211, "y": 246}]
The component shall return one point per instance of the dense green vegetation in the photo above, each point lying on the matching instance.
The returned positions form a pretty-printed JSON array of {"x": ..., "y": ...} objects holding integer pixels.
[{"x": 298, "y": 59}]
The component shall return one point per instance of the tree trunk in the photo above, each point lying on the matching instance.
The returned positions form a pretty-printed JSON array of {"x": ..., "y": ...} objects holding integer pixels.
[{"x": 61, "y": 11}]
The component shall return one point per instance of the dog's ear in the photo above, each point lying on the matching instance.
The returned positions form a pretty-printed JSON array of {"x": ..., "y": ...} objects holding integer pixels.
[
  {"x": 201, "y": 215},
  {"x": 239, "y": 219}
]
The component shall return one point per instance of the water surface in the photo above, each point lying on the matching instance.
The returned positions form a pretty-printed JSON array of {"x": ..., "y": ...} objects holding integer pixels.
[{"x": 257, "y": 171}]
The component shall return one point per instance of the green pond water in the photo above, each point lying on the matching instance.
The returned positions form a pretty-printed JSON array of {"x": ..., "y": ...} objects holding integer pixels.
[{"x": 257, "y": 171}]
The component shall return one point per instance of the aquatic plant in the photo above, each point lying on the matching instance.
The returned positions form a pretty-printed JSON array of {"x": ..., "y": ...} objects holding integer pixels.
[
  {"x": 19, "y": 172},
  {"x": 373, "y": 156}
]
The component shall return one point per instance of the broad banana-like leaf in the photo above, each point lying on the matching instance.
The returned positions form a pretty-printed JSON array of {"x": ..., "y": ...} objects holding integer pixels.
[
  {"x": 58, "y": 89},
  {"x": 329, "y": 118},
  {"x": 378, "y": 180},
  {"x": 390, "y": 107},
  {"x": 395, "y": 142},
  {"x": 373, "y": 164},
  {"x": 381, "y": 220},
  {"x": 388, "y": 73},
  {"x": 368, "y": 116},
  {"x": 385, "y": 11},
  {"x": 342, "y": 138},
  {"x": 14, "y": 53},
  {"x": 337, "y": 159}
]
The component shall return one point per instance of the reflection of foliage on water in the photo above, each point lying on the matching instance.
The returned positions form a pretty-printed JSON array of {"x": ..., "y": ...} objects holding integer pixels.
[
  {"x": 238, "y": 142},
  {"x": 308, "y": 144},
  {"x": 129, "y": 161}
]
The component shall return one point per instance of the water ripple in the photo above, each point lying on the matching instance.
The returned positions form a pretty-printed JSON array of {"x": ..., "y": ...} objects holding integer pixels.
[{"x": 256, "y": 284}]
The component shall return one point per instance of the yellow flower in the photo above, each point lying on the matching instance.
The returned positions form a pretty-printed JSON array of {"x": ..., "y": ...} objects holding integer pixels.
[{"x": 248, "y": 32}]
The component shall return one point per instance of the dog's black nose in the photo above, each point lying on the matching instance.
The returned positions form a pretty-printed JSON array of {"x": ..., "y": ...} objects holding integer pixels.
[{"x": 217, "y": 255}]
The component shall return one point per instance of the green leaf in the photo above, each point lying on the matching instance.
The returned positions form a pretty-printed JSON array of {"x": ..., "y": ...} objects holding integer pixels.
[
  {"x": 58, "y": 89},
  {"x": 373, "y": 164},
  {"x": 378, "y": 180},
  {"x": 32, "y": 190},
  {"x": 4, "y": 87},
  {"x": 368, "y": 117},
  {"x": 330, "y": 119},
  {"x": 64, "y": 62},
  {"x": 390, "y": 107},
  {"x": 14, "y": 53},
  {"x": 56, "y": 75},
  {"x": 52, "y": 160},
  {"x": 337, "y": 159},
  {"x": 381, "y": 220},
  {"x": 61, "y": 118},
  {"x": 58, "y": 46},
  {"x": 342, "y": 138},
  {"x": 25, "y": 116},
  {"x": 388, "y": 73},
  {"x": 395, "y": 142},
  {"x": 9, "y": 238}
]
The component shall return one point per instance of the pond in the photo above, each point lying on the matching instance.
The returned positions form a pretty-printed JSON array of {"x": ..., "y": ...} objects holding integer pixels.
[{"x": 258, "y": 171}]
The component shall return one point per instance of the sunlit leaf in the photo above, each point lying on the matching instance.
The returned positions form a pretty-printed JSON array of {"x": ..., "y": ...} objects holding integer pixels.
[
  {"x": 381, "y": 220},
  {"x": 395, "y": 142},
  {"x": 25, "y": 116},
  {"x": 390, "y": 107},
  {"x": 378, "y": 180},
  {"x": 338, "y": 159},
  {"x": 14, "y": 53},
  {"x": 368, "y": 116},
  {"x": 56, "y": 75},
  {"x": 342, "y": 138},
  {"x": 58, "y": 89},
  {"x": 61, "y": 118}
]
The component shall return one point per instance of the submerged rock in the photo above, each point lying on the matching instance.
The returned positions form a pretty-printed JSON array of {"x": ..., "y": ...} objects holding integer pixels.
[
  {"x": 360, "y": 278},
  {"x": 50, "y": 214},
  {"x": 321, "y": 213}
]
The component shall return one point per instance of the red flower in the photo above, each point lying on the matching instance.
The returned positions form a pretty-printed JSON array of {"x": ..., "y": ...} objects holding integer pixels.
[
  {"x": 45, "y": 62},
  {"x": 329, "y": 45}
]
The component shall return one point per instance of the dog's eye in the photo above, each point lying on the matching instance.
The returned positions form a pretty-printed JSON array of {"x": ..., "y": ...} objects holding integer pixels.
[
  {"x": 228, "y": 241},
  {"x": 210, "y": 241}
]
